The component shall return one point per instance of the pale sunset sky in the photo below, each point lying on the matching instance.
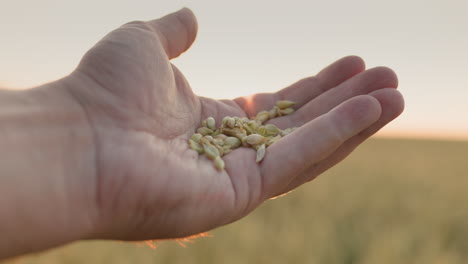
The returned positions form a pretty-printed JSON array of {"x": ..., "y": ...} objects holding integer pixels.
[{"x": 245, "y": 47}]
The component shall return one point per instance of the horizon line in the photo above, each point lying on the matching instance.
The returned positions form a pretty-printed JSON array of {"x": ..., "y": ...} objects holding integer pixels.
[{"x": 429, "y": 135}]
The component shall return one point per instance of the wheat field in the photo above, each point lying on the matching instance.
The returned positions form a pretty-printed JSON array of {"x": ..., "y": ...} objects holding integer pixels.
[{"x": 391, "y": 201}]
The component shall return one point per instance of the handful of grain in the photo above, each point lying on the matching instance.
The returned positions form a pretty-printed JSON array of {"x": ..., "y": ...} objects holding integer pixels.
[{"x": 236, "y": 132}]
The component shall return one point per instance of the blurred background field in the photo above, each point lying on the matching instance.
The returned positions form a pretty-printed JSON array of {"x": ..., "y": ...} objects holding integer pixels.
[{"x": 392, "y": 201}]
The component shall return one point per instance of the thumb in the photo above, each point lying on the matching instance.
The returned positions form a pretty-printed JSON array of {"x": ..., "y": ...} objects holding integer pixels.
[{"x": 177, "y": 31}]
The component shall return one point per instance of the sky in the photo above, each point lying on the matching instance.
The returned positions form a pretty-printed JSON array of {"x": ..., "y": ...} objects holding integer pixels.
[{"x": 245, "y": 47}]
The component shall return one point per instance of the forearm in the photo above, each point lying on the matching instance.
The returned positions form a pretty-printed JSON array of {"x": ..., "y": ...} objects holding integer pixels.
[{"x": 46, "y": 144}]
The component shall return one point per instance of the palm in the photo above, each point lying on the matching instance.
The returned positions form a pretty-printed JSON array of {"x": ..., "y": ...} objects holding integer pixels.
[{"x": 143, "y": 111}]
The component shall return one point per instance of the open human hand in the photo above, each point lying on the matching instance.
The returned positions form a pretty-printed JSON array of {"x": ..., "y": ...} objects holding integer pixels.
[{"x": 149, "y": 184}]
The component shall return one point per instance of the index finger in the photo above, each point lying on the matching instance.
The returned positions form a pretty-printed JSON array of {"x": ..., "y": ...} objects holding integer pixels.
[{"x": 306, "y": 89}]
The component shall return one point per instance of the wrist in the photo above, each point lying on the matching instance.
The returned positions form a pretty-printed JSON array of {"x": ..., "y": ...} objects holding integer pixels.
[{"x": 47, "y": 177}]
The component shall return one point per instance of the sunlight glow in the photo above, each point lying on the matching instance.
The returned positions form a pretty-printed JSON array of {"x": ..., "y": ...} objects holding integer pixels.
[
  {"x": 249, "y": 103},
  {"x": 153, "y": 244},
  {"x": 424, "y": 134}
]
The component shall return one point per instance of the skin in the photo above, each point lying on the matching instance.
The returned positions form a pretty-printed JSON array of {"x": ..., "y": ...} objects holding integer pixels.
[{"x": 103, "y": 153}]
